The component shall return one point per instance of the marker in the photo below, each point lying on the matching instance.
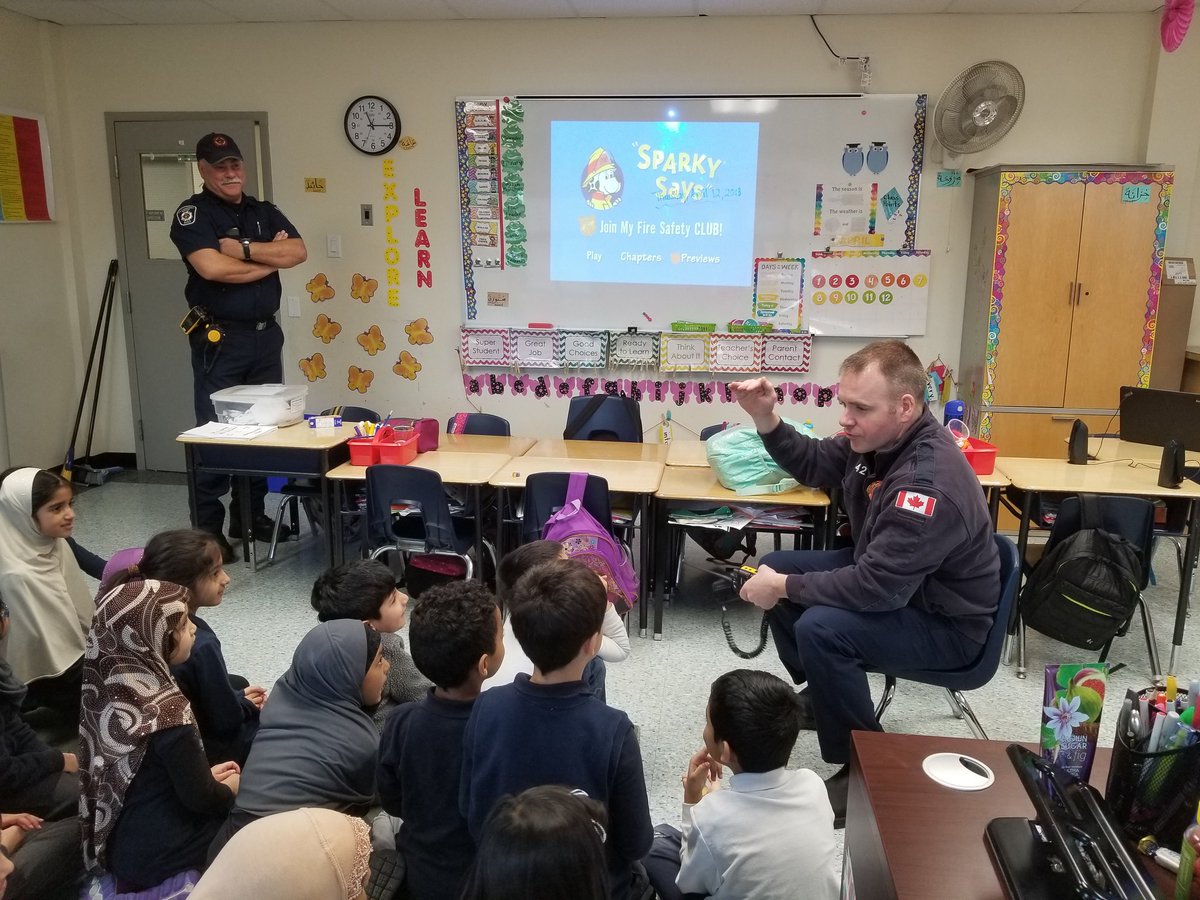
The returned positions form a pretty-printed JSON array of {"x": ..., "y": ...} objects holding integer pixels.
[
  {"x": 540, "y": 325},
  {"x": 1172, "y": 688}
]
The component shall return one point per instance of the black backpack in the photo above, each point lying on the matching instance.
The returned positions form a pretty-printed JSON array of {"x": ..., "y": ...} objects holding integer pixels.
[{"x": 1085, "y": 589}]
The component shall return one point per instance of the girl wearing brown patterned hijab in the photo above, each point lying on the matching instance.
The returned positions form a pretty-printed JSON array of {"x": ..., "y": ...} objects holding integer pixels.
[{"x": 150, "y": 803}]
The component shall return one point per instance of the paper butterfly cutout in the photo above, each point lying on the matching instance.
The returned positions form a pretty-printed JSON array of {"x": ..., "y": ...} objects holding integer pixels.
[
  {"x": 541, "y": 388},
  {"x": 778, "y": 393},
  {"x": 800, "y": 394},
  {"x": 359, "y": 379},
  {"x": 518, "y": 384},
  {"x": 472, "y": 384},
  {"x": 563, "y": 386},
  {"x": 313, "y": 366},
  {"x": 363, "y": 288},
  {"x": 725, "y": 392},
  {"x": 635, "y": 391},
  {"x": 495, "y": 385},
  {"x": 680, "y": 391},
  {"x": 587, "y": 387},
  {"x": 418, "y": 331},
  {"x": 407, "y": 142},
  {"x": 407, "y": 366},
  {"x": 319, "y": 289},
  {"x": 704, "y": 392},
  {"x": 824, "y": 396},
  {"x": 371, "y": 340},
  {"x": 326, "y": 329},
  {"x": 611, "y": 388}
]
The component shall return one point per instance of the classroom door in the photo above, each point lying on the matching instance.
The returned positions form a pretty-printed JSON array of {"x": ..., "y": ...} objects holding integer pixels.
[{"x": 154, "y": 171}]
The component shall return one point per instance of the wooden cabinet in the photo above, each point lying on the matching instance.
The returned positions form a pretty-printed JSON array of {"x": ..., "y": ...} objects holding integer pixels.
[{"x": 1061, "y": 301}]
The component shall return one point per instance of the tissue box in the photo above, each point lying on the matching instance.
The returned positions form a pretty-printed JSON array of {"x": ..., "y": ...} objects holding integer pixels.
[{"x": 260, "y": 404}]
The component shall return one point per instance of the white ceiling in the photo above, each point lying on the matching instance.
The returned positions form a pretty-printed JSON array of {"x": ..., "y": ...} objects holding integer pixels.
[{"x": 191, "y": 12}]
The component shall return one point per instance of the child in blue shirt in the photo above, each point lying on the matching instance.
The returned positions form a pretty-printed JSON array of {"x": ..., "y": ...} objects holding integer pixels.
[
  {"x": 547, "y": 728},
  {"x": 455, "y": 634}
]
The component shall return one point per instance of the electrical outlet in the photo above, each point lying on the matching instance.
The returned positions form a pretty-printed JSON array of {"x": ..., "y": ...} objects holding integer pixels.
[
  {"x": 333, "y": 246},
  {"x": 368, "y": 217},
  {"x": 293, "y": 307}
]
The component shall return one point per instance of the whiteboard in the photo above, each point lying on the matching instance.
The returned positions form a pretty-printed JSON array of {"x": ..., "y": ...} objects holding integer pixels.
[{"x": 618, "y": 212}]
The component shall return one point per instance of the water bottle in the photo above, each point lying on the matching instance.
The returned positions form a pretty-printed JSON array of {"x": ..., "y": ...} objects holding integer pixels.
[
  {"x": 807, "y": 429},
  {"x": 954, "y": 410}
]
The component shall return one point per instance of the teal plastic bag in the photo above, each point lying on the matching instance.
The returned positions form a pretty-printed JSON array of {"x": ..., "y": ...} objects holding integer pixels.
[{"x": 743, "y": 464}]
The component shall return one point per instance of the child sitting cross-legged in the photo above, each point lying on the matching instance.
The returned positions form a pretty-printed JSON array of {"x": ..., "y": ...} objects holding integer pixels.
[
  {"x": 770, "y": 831},
  {"x": 455, "y": 636},
  {"x": 547, "y": 728}
]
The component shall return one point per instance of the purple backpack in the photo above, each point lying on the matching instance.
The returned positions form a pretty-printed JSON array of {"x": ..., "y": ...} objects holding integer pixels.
[{"x": 589, "y": 542}]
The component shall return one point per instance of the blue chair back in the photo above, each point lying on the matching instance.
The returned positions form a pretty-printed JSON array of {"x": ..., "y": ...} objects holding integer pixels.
[
  {"x": 353, "y": 413},
  {"x": 709, "y": 430},
  {"x": 604, "y": 418},
  {"x": 482, "y": 423},
  {"x": 981, "y": 671},
  {"x": 545, "y": 493},
  {"x": 389, "y": 486}
]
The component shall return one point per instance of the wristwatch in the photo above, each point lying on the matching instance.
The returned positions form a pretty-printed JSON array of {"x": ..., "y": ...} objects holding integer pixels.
[{"x": 245, "y": 248}]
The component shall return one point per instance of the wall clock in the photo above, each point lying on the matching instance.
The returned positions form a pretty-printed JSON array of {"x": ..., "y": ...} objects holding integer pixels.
[{"x": 372, "y": 125}]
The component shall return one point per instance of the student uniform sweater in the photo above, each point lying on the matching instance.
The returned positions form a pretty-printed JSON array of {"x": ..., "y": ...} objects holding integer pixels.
[{"x": 523, "y": 734}]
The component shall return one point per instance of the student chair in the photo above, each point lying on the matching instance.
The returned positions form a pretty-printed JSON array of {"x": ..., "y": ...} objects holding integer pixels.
[
  {"x": 545, "y": 493},
  {"x": 407, "y": 511},
  {"x": 1131, "y": 518},
  {"x": 603, "y": 418},
  {"x": 978, "y": 673},
  {"x": 307, "y": 491},
  {"x": 480, "y": 423},
  {"x": 709, "y": 430}
]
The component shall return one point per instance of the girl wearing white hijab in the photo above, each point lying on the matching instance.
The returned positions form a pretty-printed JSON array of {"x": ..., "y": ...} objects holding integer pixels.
[
  {"x": 42, "y": 584},
  {"x": 304, "y": 854}
]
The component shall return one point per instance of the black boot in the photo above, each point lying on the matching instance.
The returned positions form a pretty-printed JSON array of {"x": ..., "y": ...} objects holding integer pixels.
[
  {"x": 263, "y": 527},
  {"x": 837, "y": 786}
]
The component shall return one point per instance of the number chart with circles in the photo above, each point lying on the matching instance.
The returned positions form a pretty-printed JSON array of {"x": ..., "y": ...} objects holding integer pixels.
[{"x": 866, "y": 293}]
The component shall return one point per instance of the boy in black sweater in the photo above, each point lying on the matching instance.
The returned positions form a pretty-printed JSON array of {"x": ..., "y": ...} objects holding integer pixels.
[
  {"x": 548, "y": 729},
  {"x": 456, "y": 640}
]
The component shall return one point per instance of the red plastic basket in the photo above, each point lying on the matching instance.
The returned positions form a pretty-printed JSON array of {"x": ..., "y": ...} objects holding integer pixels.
[
  {"x": 981, "y": 455},
  {"x": 399, "y": 452},
  {"x": 363, "y": 451}
]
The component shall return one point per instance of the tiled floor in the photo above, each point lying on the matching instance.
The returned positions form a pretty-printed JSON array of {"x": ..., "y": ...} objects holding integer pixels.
[{"x": 663, "y": 686}]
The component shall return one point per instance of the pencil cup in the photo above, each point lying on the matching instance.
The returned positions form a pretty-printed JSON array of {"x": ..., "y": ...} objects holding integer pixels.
[{"x": 1152, "y": 793}]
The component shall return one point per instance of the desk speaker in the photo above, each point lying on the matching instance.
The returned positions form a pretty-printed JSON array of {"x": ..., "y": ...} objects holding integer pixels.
[
  {"x": 1077, "y": 445},
  {"x": 1170, "y": 470}
]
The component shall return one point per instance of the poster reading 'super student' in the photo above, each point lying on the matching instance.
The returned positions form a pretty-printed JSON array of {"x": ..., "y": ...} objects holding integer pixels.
[{"x": 653, "y": 202}]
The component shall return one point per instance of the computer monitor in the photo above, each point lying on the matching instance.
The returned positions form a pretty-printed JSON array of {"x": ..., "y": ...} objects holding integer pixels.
[{"x": 1151, "y": 416}]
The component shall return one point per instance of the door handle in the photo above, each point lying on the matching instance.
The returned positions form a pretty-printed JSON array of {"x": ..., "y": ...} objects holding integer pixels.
[
  {"x": 1079, "y": 293},
  {"x": 1071, "y": 294}
]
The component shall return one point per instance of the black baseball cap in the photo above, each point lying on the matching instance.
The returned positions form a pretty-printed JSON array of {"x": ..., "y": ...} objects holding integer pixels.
[{"x": 214, "y": 147}]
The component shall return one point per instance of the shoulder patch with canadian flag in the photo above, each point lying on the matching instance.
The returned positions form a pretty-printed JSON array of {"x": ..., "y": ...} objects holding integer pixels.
[{"x": 913, "y": 502}]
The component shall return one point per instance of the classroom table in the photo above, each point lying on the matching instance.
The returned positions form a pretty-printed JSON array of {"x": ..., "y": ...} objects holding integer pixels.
[
  {"x": 295, "y": 451},
  {"x": 993, "y": 485},
  {"x": 470, "y": 469},
  {"x": 484, "y": 443},
  {"x": 687, "y": 453},
  {"x": 639, "y": 477},
  {"x": 1035, "y": 476},
  {"x": 684, "y": 486},
  {"x": 607, "y": 450},
  {"x": 909, "y": 838}
]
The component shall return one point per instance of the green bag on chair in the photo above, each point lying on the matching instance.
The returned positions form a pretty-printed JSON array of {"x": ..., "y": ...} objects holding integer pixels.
[{"x": 743, "y": 464}]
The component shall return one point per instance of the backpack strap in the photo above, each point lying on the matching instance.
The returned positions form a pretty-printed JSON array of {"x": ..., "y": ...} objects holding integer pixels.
[
  {"x": 576, "y": 485},
  {"x": 574, "y": 427},
  {"x": 1089, "y": 512}
]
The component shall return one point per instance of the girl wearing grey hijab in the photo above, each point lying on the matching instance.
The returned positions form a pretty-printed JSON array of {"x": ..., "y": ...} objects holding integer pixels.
[{"x": 316, "y": 745}]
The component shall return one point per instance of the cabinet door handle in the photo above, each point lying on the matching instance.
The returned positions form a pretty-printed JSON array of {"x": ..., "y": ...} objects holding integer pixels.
[
  {"x": 1079, "y": 293},
  {"x": 1063, "y": 418},
  {"x": 1071, "y": 294}
]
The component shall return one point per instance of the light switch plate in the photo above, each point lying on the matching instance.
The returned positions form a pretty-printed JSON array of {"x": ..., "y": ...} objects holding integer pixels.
[{"x": 333, "y": 246}]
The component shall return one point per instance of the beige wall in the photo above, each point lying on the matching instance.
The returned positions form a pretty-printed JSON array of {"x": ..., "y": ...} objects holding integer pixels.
[
  {"x": 1078, "y": 110},
  {"x": 1174, "y": 137},
  {"x": 39, "y": 334}
]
